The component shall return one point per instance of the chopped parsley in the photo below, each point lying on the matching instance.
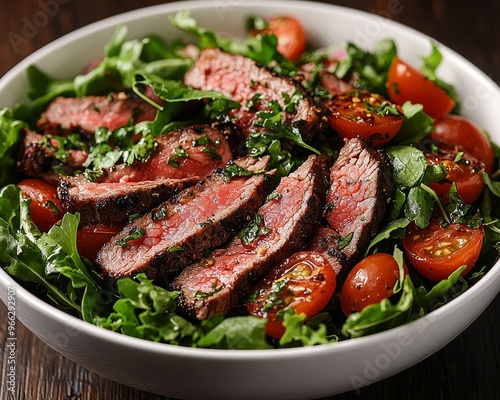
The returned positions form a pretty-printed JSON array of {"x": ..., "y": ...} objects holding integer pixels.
[
  {"x": 135, "y": 234},
  {"x": 206, "y": 295},
  {"x": 253, "y": 230},
  {"x": 234, "y": 170},
  {"x": 179, "y": 153}
]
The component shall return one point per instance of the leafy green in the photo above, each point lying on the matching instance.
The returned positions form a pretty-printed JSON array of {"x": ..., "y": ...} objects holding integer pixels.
[
  {"x": 10, "y": 139},
  {"x": 297, "y": 331},
  {"x": 409, "y": 164},
  {"x": 429, "y": 66},
  {"x": 416, "y": 125},
  {"x": 47, "y": 259},
  {"x": 147, "y": 311},
  {"x": 237, "y": 333},
  {"x": 371, "y": 67}
]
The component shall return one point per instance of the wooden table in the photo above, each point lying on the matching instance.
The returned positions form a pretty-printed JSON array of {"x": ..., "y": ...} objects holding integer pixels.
[{"x": 467, "y": 368}]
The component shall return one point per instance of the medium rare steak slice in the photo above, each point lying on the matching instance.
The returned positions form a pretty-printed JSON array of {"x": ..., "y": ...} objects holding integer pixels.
[
  {"x": 114, "y": 203},
  {"x": 326, "y": 242},
  {"x": 253, "y": 86},
  {"x": 192, "y": 151},
  {"x": 39, "y": 161},
  {"x": 292, "y": 213},
  {"x": 180, "y": 230},
  {"x": 86, "y": 114},
  {"x": 359, "y": 194}
]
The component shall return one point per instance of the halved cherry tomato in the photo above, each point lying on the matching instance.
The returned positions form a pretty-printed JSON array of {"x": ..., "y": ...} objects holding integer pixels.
[
  {"x": 462, "y": 134},
  {"x": 363, "y": 114},
  {"x": 437, "y": 251},
  {"x": 464, "y": 170},
  {"x": 290, "y": 33},
  {"x": 370, "y": 281},
  {"x": 304, "y": 282},
  {"x": 91, "y": 238},
  {"x": 406, "y": 83},
  {"x": 45, "y": 208}
]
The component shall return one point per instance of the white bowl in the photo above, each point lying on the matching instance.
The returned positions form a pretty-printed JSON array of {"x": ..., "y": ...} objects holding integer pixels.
[{"x": 285, "y": 373}]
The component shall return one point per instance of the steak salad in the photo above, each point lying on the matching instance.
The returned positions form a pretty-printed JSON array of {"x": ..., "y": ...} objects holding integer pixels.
[{"x": 246, "y": 194}]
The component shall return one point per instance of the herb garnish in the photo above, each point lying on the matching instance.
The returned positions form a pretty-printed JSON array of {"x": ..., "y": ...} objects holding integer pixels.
[
  {"x": 206, "y": 295},
  {"x": 253, "y": 230},
  {"x": 135, "y": 234}
]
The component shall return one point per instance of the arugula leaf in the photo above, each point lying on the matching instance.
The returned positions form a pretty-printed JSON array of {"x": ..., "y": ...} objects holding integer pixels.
[
  {"x": 416, "y": 125},
  {"x": 419, "y": 206},
  {"x": 371, "y": 67},
  {"x": 429, "y": 66},
  {"x": 237, "y": 333},
  {"x": 394, "y": 229},
  {"x": 10, "y": 139},
  {"x": 147, "y": 311},
  {"x": 301, "y": 332},
  {"x": 46, "y": 259},
  {"x": 409, "y": 164},
  {"x": 442, "y": 292}
]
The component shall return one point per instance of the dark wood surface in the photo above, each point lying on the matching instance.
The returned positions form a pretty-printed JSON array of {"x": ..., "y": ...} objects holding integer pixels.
[{"x": 467, "y": 368}]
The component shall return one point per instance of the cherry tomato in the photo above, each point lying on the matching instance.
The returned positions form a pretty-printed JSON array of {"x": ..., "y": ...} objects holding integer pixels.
[
  {"x": 466, "y": 172},
  {"x": 304, "y": 282},
  {"x": 290, "y": 33},
  {"x": 45, "y": 208},
  {"x": 458, "y": 132},
  {"x": 406, "y": 83},
  {"x": 91, "y": 238},
  {"x": 366, "y": 115},
  {"x": 436, "y": 252},
  {"x": 370, "y": 281}
]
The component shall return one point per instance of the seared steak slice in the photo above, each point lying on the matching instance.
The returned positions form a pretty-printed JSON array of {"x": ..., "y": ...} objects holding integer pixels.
[
  {"x": 86, "y": 114},
  {"x": 39, "y": 161},
  {"x": 180, "y": 230},
  {"x": 253, "y": 86},
  {"x": 114, "y": 203},
  {"x": 360, "y": 191},
  {"x": 326, "y": 241},
  {"x": 193, "y": 151},
  {"x": 217, "y": 283}
]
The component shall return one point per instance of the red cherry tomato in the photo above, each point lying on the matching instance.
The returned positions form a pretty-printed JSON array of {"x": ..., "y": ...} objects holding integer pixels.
[
  {"x": 466, "y": 172},
  {"x": 366, "y": 115},
  {"x": 460, "y": 133},
  {"x": 91, "y": 238},
  {"x": 370, "y": 281},
  {"x": 406, "y": 83},
  {"x": 304, "y": 282},
  {"x": 436, "y": 252},
  {"x": 45, "y": 208},
  {"x": 290, "y": 33}
]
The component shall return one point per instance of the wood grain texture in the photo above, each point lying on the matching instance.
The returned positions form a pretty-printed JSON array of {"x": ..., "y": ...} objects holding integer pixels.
[{"x": 467, "y": 368}]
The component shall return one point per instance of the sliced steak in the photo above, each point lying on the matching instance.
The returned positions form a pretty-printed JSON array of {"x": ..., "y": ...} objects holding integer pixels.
[
  {"x": 242, "y": 79},
  {"x": 179, "y": 231},
  {"x": 38, "y": 161},
  {"x": 217, "y": 283},
  {"x": 114, "y": 203},
  {"x": 192, "y": 151},
  {"x": 326, "y": 241},
  {"x": 86, "y": 114},
  {"x": 359, "y": 194}
]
